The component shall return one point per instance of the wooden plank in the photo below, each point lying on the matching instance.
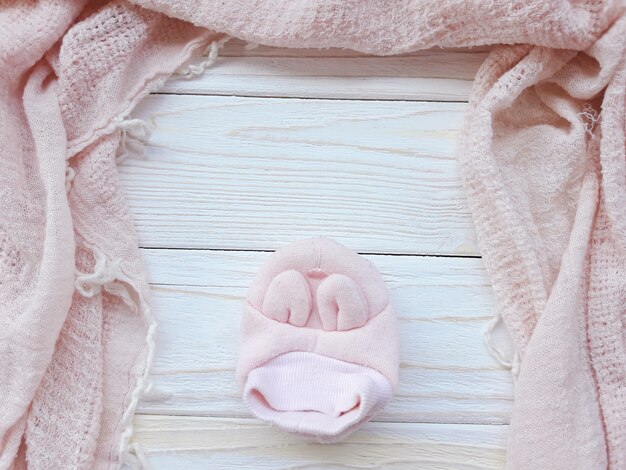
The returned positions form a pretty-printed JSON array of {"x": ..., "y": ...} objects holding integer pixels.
[
  {"x": 177, "y": 443},
  {"x": 446, "y": 376},
  {"x": 251, "y": 173},
  {"x": 431, "y": 75}
]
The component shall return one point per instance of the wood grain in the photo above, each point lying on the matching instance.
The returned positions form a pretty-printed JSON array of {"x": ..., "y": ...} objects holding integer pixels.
[
  {"x": 447, "y": 376},
  {"x": 177, "y": 443},
  {"x": 254, "y": 174},
  {"x": 431, "y": 75}
]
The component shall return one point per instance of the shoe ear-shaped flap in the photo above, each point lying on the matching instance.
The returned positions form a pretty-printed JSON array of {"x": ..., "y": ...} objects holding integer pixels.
[
  {"x": 288, "y": 299},
  {"x": 341, "y": 304}
]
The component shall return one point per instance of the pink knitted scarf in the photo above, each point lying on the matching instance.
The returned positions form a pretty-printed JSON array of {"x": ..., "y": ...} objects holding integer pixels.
[{"x": 543, "y": 161}]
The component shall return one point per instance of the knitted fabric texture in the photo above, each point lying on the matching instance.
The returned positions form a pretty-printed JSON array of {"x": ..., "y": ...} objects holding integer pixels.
[
  {"x": 542, "y": 158},
  {"x": 318, "y": 352}
]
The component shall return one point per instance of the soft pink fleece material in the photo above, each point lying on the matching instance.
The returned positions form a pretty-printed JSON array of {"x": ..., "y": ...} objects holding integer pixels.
[
  {"x": 542, "y": 158},
  {"x": 318, "y": 297}
]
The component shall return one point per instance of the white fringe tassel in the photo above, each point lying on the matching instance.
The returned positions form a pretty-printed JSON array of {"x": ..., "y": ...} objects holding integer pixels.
[
  {"x": 109, "y": 275},
  {"x": 193, "y": 70},
  {"x": 589, "y": 117},
  {"x": 135, "y": 134},
  {"x": 500, "y": 356},
  {"x": 135, "y": 458},
  {"x": 131, "y": 450}
]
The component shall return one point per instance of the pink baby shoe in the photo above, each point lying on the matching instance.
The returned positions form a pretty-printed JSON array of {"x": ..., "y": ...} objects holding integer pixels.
[{"x": 319, "y": 343}]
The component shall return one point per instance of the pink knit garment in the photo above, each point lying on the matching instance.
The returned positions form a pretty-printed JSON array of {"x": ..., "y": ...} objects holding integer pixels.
[
  {"x": 318, "y": 352},
  {"x": 542, "y": 158}
]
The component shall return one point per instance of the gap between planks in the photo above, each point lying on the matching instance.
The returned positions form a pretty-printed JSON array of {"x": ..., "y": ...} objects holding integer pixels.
[
  {"x": 317, "y": 98},
  {"x": 362, "y": 253}
]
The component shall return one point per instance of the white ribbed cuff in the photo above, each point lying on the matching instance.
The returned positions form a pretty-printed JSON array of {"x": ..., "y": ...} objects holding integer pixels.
[{"x": 314, "y": 395}]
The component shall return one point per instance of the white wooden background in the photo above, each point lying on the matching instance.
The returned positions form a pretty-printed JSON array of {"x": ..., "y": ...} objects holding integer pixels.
[{"x": 270, "y": 146}]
